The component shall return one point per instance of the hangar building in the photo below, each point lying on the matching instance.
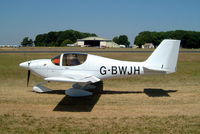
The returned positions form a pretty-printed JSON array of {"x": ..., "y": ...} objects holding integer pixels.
[{"x": 96, "y": 42}]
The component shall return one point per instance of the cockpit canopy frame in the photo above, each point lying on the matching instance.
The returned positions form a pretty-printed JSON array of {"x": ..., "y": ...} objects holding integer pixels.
[{"x": 69, "y": 59}]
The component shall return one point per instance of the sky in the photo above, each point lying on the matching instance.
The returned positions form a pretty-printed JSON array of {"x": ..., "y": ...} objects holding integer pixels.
[{"x": 106, "y": 18}]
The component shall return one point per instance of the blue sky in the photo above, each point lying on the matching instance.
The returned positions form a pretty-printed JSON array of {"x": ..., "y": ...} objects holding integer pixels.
[{"x": 106, "y": 18}]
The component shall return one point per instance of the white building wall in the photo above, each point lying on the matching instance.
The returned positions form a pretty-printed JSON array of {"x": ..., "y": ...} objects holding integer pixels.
[
  {"x": 102, "y": 44},
  {"x": 80, "y": 43}
]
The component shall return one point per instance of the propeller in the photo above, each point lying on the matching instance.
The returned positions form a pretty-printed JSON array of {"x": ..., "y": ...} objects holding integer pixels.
[{"x": 29, "y": 72}]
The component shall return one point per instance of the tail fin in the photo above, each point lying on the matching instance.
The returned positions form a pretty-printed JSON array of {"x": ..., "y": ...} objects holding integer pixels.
[{"x": 165, "y": 57}]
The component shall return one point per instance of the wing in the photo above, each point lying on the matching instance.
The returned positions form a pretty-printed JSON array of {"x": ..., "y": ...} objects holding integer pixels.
[{"x": 74, "y": 78}]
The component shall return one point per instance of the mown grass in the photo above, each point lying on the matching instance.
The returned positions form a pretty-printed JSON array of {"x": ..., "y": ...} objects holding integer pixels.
[
  {"x": 79, "y": 49},
  {"x": 23, "y": 111},
  {"x": 144, "y": 124}
]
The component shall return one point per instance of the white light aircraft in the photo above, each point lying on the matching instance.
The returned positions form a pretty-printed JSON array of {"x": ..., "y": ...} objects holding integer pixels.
[{"x": 84, "y": 69}]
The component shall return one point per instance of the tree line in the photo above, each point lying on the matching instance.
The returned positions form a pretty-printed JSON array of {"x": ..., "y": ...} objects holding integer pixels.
[
  {"x": 60, "y": 38},
  {"x": 27, "y": 42},
  {"x": 189, "y": 39}
]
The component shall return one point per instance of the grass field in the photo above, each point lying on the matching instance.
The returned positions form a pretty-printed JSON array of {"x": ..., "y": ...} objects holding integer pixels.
[
  {"x": 78, "y": 49},
  {"x": 143, "y": 104}
]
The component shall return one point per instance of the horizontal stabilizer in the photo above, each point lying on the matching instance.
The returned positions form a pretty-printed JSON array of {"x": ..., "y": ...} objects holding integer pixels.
[{"x": 154, "y": 71}]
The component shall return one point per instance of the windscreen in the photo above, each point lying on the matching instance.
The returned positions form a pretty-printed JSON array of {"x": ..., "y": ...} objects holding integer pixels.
[{"x": 56, "y": 60}]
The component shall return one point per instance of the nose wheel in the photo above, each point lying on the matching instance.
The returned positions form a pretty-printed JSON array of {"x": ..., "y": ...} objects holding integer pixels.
[{"x": 39, "y": 88}]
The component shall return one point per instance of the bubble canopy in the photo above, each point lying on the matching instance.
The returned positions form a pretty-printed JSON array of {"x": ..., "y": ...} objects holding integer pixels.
[{"x": 69, "y": 59}]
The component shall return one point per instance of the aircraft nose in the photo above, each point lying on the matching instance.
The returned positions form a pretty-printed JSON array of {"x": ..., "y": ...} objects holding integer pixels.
[{"x": 24, "y": 64}]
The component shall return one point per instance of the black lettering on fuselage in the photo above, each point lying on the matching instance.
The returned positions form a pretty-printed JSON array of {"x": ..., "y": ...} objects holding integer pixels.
[
  {"x": 103, "y": 70},
  {"x": 120, "y": 70},
  {"x": 137, "y": 71},
  {"x": 130, "y": 72},
  {"x": 113, "y": 70}
]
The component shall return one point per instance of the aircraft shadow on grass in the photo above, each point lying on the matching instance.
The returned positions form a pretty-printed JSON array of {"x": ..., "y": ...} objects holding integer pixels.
[{"x": 86, "y": 104}]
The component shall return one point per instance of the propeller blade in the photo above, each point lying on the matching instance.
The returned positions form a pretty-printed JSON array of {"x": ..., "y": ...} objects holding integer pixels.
[{"x": 29, "y": 72}]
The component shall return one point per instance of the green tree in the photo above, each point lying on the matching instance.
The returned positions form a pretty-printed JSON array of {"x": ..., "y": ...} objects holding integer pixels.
[
  {"x": 67, "y": 41},
  {"x": 189, "y": 39},
  {"x": 40, "y": 40},
  {"x": 116, "y": 39},
  {"x": 121, "y": 40},
  {"x": 143, "y": 37},
  {"x": 27, "y": 42}
]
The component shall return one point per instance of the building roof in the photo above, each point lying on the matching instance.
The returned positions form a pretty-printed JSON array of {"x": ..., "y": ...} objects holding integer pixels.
[{"x": 94, "y": 38}]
